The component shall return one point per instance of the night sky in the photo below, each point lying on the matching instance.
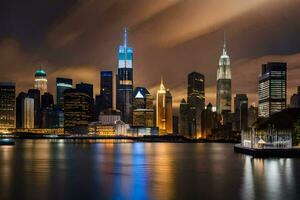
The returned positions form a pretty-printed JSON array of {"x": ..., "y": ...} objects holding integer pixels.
[{"x": 78, "y": 38}]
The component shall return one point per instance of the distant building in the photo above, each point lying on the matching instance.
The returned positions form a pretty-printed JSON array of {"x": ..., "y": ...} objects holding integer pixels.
[
  {"x": 47, "y": 110},
  {"x": 20, "y": 109},
  {"x": 183, "y": 119},
  {"x": 47, "y": 100},
  {"x": 7, "y": 106},
  {"x": 35, "y": 94},
  {"x": 164, "y": 111},
  {"x": 295, "y": 99},
  {"x": 40, "y": 81},
  {"x": 109, "y": 124},
  {"x": 224, "y": 83},
  {"x": 29, "y": 113},
  {"x": 61, "y": 85},
  {"x": 124, "y": 81},
  {"x": 143, "y": 110},
  {"x": 272, "y": 88},
  {"x": 104, "y": 100},
  {"x": 175, "y": 125},
  {"x": 209, "y": 121},
  {"x": 87, "y": 88},
  {"x": 196, "y": 102},
  {"x": 252, "y": 115},
  {"x": 241, "y": 112},
  {"x": 77, "y": 114}
]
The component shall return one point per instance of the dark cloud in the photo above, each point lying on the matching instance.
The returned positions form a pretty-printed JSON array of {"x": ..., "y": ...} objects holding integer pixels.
[{"x": 170, "y": 38}]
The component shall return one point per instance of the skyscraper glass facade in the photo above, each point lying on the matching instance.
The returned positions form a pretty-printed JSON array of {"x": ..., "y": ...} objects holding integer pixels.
[{"x": 272, "y": 88}]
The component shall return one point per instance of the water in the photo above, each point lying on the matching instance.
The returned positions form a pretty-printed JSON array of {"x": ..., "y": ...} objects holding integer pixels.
[{"x": 57, "y": 169}]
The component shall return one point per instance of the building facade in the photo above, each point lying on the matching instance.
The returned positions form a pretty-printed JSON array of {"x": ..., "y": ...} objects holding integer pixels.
[
  {"x": 77, "y": 114},
  {"x": 272, "y": 89},
  {"x": 184, "y": 119},
  {"x": 29, "y": 113},
  {"x": 143, "y": 110},
  {"x": 61, "y": 85},
  {"x": 20, "y": 109},
  {"x": 241, "y": 112},
  {"x": 7, "y": 106},
  {"x": 104, "y": 100},
  {"x": 164, "y": 111},
  {"x": 35, "y": 94},
  {"x": 124, "y": 81},
  {"x": 196, "y": 102}
]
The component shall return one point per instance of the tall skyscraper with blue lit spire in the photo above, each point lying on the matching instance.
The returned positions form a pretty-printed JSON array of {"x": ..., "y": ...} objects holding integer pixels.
[
  {"x": 124, "y": 83},
  {"x": 224, "y": 83}
]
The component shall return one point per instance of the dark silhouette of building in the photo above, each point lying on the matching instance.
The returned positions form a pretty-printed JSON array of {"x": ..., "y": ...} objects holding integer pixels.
[
  {"x": 196, "y": 102},
  {"x": 272, "y": 88},
  {"x": 104, "y": 100},
  {"x": 210, "y": 120},
  {"x": 47, "y": 105},
  {"x": 20, "y": 109},
  {"x": 241, "y": 112},
  {"x": 47, "y": 100},
  {"x": 7, "y": 105},
  {"x": 77, "y": 113},
  {"x": 87, "y": 88},
  {"x": 295, "y": 99},
  {"x": 183, "y": 119},
  {"x": 175, "y": 125},
  {"x": 61, "y": 85},
  {"x": 252, "y": 115},
  {"x": 124, "y": 81}
]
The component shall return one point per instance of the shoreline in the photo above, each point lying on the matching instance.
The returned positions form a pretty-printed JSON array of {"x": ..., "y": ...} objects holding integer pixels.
[
  {"x": 165, "y": 138},
  {"x": 268, "y": 153}
]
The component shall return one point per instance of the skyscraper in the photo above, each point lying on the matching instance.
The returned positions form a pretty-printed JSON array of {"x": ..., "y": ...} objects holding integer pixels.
[
  {"x": 224, "y": 83},
  {"x": 183, "y": 118},
  {"x": 143, "y": 111},
  {"x": 35, "y": 94},
  {"x": 164, "y": 111},
  {"x": 40, "y": 81},
  {"x": 124, "y": 80},
  {"x": 209, "y": 121},
  {"x": 196, "y": 102},
  {"x": 47, "y": 105},
  {"x": 76, "y": 111},
  {"x": 61, "y": 85},
  {"x": 104, "y": 100},
  {"x": 252, "y": 115},
  {"x": 47, "y": 100},
  {"x": 272, "y": 89},
  {"x": 7, "y": 106},
  {"x": 20, "y": 109},
  {"x": 29, "y": 113},
  {"x": 87, "y": 88},
  {"x": 241, "y": 112}
]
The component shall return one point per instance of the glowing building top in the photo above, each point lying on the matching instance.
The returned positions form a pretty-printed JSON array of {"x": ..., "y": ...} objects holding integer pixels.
[
  {"x": 224, "y": 71},
  {"x": 40, "y": 80},
  {"x": 125, "y": 54}
]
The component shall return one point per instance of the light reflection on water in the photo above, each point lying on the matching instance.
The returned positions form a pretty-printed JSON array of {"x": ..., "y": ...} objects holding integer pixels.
[{"x": 109, "y": 169}]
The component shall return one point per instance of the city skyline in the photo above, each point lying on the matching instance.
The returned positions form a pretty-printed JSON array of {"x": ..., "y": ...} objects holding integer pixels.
[{"x": 88, "y": 47}]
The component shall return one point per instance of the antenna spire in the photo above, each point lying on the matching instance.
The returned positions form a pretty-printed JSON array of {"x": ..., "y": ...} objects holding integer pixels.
[
  {"x": 125, "y": 37},
  {"x": 224, "y": 47}
]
